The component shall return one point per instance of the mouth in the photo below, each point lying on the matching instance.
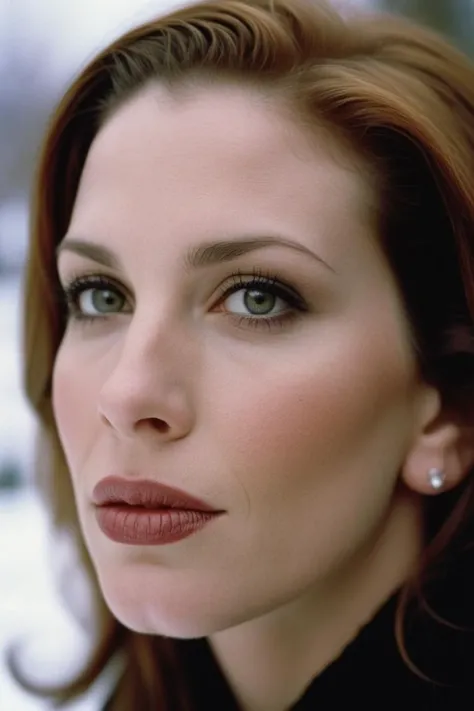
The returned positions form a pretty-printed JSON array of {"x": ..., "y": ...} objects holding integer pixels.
[{"x": 144, "y": 512}]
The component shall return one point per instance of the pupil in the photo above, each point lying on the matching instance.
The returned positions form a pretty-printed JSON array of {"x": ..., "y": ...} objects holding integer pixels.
[
  {"x": 259, "y": 302},
  {"x": 105, "y": 300}
]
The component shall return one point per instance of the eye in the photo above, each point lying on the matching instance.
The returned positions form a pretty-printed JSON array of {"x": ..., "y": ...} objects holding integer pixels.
[
  {"x": 95, "y": 300},
  {"x": 260, "y": 301},
  {"x": 93, "y": 297},
  {"x": 256, "y": 302}
]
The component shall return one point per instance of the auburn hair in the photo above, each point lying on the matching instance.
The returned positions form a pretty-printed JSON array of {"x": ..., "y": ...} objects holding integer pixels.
[{"x": 403, "y": 99}]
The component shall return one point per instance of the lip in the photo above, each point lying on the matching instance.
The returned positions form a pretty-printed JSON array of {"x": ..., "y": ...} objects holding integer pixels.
[
  {"x": 146, "y": 493},
  {"x": 145, "y": 512}
]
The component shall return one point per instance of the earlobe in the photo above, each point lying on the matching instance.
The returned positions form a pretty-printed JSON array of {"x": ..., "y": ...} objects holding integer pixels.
[
  {"x": 437, "y": 479},
  {"x": 442, "y": 453}
]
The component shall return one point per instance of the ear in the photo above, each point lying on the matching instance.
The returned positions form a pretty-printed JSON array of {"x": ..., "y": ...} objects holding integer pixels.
[{"x": 444, "y": 441}]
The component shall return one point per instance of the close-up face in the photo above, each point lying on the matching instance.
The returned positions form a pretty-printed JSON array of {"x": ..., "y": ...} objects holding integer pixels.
[{"x": 235, "y": 333}]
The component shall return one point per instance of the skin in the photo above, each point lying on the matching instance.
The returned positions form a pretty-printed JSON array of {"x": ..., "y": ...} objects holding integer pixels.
[{"x": 299, "y": 431}]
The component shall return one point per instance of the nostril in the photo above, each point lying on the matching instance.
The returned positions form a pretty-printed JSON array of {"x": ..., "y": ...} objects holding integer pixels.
[
  {"x": 155, "y": 423},
  {"x": 160, "y": 425}
]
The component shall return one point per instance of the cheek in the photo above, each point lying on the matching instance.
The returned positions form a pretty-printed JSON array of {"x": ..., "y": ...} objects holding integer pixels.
[
  {"x": 73, "y": 407},
  {"x": 315, "y": 450},
  {"x": 310, "y": 422}
]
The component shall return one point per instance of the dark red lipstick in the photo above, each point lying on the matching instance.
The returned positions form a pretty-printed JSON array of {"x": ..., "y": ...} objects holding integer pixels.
[{"x": 144, "y": 512}]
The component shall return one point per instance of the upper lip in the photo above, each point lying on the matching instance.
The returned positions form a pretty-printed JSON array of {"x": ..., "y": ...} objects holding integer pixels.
[{"x": 146, "y": 493}]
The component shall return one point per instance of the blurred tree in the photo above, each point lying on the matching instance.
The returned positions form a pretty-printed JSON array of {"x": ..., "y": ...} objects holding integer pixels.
[
  {"x": 25, "y": 98},
  {"x": 454, "y": 18}
]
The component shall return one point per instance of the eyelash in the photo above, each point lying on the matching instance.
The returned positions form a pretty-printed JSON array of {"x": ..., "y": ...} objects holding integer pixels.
[{"x": 258, "y": 280}]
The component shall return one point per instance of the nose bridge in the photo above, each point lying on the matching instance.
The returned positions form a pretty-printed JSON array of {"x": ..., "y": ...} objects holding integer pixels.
[
  {"x": 154, "y": 337},
  {"x": 150, "y": 377}
]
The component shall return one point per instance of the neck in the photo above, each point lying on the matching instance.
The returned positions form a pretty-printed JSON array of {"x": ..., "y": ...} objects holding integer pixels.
[{"x": 270, "y": 661}]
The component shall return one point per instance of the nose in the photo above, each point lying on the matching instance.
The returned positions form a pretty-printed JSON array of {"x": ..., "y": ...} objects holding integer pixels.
[{"x": 147, "y": 391}]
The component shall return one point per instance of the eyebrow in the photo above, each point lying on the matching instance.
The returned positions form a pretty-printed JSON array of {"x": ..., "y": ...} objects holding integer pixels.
[{"x": 204, "y": 255}]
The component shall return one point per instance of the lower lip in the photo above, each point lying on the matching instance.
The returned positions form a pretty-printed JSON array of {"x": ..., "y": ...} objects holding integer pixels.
[{"x": 148, "y": 527}]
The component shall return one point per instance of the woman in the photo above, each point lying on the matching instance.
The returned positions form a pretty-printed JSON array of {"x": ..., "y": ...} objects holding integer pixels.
[{"x": 249, "y": 340}]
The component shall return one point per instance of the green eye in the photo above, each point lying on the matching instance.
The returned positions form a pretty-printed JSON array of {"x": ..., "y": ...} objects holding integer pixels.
[
  {"x": 100, "y": 301},
  {"x": 93, "y": 297},
  {"x": 255, "y": 302}
]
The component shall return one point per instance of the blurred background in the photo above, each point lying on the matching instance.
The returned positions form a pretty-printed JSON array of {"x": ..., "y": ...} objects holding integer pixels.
[{"x": 43, "y": 43}]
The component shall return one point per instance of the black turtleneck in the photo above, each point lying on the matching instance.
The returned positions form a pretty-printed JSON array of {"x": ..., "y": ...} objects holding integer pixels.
[{"x": 371, "y": 673}]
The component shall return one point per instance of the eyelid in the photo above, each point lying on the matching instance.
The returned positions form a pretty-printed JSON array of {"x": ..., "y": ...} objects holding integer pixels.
[
  {"x": 80, "y": 282},
  {"x": 240, "y": 278},
  {"x": 256, "y": 278},
  {"x": 265, "y": 280},
  {"x": 91, "y": 278}
]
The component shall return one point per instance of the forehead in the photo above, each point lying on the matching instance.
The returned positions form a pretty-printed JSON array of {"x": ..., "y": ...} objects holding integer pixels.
[
  {"x": 211, "y": 158},
  {"x": 228, "y": 121}
]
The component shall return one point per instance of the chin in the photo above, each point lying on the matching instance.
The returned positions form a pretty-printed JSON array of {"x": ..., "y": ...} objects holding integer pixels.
[
  {"x": 155, "y": 618},
  {"x": 158, "y": 622},
  {"x": 187, "y": 609}
]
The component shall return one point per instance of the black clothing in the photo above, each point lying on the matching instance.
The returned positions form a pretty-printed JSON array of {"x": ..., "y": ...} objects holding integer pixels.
[{"x": 371, "y": 674}]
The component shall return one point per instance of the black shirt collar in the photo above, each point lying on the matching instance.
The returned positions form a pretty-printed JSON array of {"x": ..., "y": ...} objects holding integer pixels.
[{"x": 370, "y": 673}]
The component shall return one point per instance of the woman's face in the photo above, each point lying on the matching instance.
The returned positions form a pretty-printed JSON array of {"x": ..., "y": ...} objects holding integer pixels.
[{"x": 270, "y": 374}]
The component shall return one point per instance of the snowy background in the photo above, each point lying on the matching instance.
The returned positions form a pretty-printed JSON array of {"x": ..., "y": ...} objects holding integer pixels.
[{"x": 42, "y": 44}]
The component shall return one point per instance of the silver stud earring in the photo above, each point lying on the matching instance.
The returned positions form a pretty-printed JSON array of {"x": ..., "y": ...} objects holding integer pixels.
[{"x": 436, "y": 478}]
